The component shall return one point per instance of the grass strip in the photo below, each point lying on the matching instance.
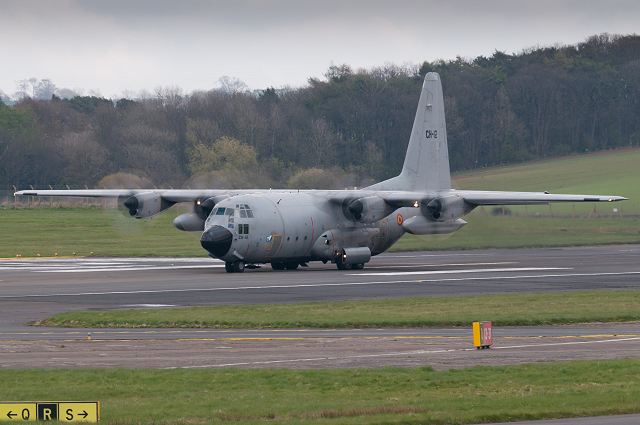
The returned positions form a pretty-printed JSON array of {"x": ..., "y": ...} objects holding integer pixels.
[
  {"x": 345, "y": 396},
  {"x": 96, "y": 232},
  {"x": 537, "y": 308}
]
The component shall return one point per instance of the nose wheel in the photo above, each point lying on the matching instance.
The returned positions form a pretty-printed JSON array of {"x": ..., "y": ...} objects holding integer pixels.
[{"x": 235, "y": 267}]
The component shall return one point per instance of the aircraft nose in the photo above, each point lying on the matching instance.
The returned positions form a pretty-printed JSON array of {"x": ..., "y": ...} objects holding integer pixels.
[{"x": 217, "y": 240}]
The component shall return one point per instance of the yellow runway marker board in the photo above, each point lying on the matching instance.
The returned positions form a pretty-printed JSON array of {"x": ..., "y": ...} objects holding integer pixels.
[
  {"x": 63, "y": 411},
  {"x": 18, "y": 412}
]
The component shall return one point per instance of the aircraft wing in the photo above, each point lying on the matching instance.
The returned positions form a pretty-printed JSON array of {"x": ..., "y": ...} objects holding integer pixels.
[
  {"x": 398, "y": 198},
  {"x": 478, "y": 197},
  {"x": 171, "y": 195}
]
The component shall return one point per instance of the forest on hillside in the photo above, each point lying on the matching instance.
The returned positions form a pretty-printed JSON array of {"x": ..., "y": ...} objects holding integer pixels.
[{"x": 347, "y": 129}]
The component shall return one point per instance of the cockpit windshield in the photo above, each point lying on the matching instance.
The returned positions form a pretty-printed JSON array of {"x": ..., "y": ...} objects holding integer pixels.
[{"x": 223, "y": 211}]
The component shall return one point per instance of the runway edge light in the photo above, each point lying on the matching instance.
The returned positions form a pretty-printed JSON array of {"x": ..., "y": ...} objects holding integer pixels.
[{"x": 482, "y": 335}]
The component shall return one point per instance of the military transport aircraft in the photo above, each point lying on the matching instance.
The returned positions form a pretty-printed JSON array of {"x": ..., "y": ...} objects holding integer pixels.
[{"x": 289, "y": 228}]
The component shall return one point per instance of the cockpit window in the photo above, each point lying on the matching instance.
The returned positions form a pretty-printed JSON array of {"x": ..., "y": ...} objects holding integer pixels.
[
  {"x": 229, "y": 211},
  {"x": 220, "y": 211},
  {"x": 245, "y": 211}
]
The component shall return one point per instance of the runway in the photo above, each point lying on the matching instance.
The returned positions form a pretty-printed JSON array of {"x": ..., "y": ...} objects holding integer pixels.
[{"x": 31, "y": 290}]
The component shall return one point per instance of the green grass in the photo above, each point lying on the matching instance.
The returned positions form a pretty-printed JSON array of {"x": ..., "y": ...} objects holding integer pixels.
[
  {"x": 92, "y": 231},
  {"x": 509, "y": 309},
  {"x": 345, "y": 396},
  {"x": 97, "y": 232}
]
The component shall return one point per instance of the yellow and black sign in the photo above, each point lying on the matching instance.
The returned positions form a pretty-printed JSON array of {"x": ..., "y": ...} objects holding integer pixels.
[{"x": 63, "y": 411}]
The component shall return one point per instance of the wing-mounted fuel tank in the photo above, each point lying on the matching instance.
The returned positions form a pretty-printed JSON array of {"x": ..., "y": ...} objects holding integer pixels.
[
  {"x": 194, "y": 221},
  {"x": 145, "y": 204},
  {"x": 368, "y": 209}
]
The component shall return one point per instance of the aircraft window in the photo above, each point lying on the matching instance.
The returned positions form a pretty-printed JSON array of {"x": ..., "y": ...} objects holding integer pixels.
[
  {"x": 243, "y": 229},
  {"x": 245, "y": 211},
  {"x": 220, "y": 211},
  {"x": 229, "y": 211}
]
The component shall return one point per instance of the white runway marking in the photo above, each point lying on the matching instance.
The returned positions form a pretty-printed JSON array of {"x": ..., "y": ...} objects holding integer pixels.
[
  {"x": 498, "y": 263},
  {"x": 126, "y": 269},
  {"x": 120, "y": 259},
  {"x": 434, "y": 255},
  {"x": 423, "y": 272},
  {"x": 82, "y": 265},
  {"x": 399, "y": 353},
  {"x": 319, "y": 285}
]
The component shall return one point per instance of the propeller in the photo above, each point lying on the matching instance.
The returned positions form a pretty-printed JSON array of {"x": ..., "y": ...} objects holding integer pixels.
[{"x": 433, "y": 209}]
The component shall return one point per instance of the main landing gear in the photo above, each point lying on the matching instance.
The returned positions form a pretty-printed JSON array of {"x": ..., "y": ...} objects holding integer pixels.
[
  {"x": 281, "y": 265},
  {"x": 343, "y": 266},
  {"x": 235, "y": 267}
]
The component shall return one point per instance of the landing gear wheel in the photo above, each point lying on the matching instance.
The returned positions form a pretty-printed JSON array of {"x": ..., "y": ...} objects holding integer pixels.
[
  {"x": 235, "y": 267},
  {"x": 341, "y": 265},
  {"x": 291, "y": 266},
  {"x": 277, "y": 266},
  {"x": 358, "y": 266}
]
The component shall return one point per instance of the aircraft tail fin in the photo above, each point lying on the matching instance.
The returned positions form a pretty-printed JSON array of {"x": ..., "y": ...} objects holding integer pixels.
[{"x": 426, "y": 164}]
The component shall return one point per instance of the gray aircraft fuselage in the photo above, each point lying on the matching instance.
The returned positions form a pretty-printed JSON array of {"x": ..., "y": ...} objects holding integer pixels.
[{"x": 292, "y": 228}]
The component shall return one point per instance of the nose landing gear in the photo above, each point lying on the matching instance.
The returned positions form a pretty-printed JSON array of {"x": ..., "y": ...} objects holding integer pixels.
[{"x": 235, "y": 267}]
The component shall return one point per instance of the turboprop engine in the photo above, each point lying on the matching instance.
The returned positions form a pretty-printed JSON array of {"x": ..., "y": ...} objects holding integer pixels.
[
  {"x": 438, "y": 216},
  {"x": 194, "y": 221},
  {"x": 445, "y": 208},
  {"x": 368, "y": 209},
  {"x": 146, "y": 204}
]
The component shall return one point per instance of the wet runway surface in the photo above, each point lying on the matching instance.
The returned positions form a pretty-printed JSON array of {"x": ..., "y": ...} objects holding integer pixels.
[{"x": 31, "y": 290}]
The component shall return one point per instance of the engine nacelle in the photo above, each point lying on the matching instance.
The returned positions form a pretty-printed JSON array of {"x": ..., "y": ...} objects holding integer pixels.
[
  {"x": 194, "y": 221},
  {"x": 445, "y": 208},
  {"x": 368, "y": 209},
  {"x": 146, "y": 204},
  {"x": 420, "y": 225},
  {"x": 189, "y": 222}
]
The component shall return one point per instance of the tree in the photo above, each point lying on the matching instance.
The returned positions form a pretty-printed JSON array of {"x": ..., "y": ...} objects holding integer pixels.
[
  {"x": 226, "y": 154},
  {"x": 231, "y": 85}
]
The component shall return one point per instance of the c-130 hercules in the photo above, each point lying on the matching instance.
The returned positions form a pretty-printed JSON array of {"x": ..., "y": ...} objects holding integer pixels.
[{"x": 288, "y": 228}]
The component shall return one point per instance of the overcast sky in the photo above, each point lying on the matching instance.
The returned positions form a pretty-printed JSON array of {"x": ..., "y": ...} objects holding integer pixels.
[{"x": 112, "y": 46}]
